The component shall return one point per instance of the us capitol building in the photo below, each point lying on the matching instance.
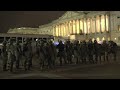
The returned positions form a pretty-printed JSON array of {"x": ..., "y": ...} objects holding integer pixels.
[{"x": 80, "y": 25}]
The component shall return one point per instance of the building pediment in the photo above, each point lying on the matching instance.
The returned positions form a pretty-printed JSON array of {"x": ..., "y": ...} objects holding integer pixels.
[{"x": 69, "y": 14}]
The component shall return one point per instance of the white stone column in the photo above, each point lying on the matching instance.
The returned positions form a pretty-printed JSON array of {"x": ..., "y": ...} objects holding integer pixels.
[
  {"x": 67, "y": 28},
  {"x": 95, "y": 25},
  {"x": 68, "y": 32},
  {"x": 105, "y": 21},
  {"x": 60, "y": 29},
  {"x": 109, "y": 22},
  {"x": 100, "y": 23},
  {"x": 76, "y": 26},
  {"x": 72, "y": 26},
  {"x": 55, "y": 31},
  {"x": 79, "y": 25},
  {"x": 52, "y": 31},
  {"x": 86, "y": 25},
  {"x": 90, "y": 25},
  {"x": 83, "y": 26}
]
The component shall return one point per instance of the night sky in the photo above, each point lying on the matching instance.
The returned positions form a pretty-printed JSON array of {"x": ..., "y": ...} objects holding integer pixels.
[{"x": 12, "y": 19}]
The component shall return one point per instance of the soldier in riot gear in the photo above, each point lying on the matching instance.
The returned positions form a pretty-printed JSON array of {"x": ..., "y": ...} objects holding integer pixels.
[
  {"x": 27, "y": 50},
  {"x": 42, "y": 54},
  {"x": 4, "y": 55},
  {"x": 61, "y": 52},
  {"x": 18, "y": 53},
  {"x": 76, "y": 52},
  {"x": 105, "y": 50},
  {"x": 90, "y": 51},
  {"x": 11, "y": 54},
  {"x": 95, "y": 50},
  {"x": 112, "y": 49},
  {"x": 83, "y": 50},
  {"x": 53, "y": 53},
  {"x": 69, "y": 51}
]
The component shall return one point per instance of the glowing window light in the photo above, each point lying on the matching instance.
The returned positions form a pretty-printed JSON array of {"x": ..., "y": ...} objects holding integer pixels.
[
  {"x": 98, "y": 39},
  {"x": 93, "y": 40},
  {"x": 103, "y": 38}
]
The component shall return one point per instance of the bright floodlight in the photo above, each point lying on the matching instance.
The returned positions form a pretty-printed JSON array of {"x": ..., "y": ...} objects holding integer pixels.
[{"x": 36, "y": 39}]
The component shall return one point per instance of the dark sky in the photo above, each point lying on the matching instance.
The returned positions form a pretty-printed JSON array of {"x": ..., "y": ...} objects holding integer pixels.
[{"x": 12, "y": 19}]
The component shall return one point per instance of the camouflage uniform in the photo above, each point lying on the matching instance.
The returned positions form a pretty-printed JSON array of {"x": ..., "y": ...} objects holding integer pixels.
[
  {"x": 27, "y": 49},
  {"x": 4, "y": 55},
  {"x": 42, "y": 57},
  {"x": 11, "y": 55},
  {"x": 53, "y": 53},
  {"x": 18, "y": 53}
]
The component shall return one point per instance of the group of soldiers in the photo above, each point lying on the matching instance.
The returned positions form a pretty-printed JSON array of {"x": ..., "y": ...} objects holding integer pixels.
[
  {"x": 48, "y": 53},
  {"x": 11, "y": 54},
  {"x": 81, "y": 52}
]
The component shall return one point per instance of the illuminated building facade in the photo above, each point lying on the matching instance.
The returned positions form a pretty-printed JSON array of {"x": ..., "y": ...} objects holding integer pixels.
[{"x": 83, "y": 25}]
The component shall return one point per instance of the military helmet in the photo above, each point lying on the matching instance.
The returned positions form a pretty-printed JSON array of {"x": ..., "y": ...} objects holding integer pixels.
[
  {"x": 104, "y": 41},
  {"x": 10, "y": 40},
  {"x": 95, "y": 41},
  {"x": 4, "y": 42},
  {"x": 60, "y": 41}
]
